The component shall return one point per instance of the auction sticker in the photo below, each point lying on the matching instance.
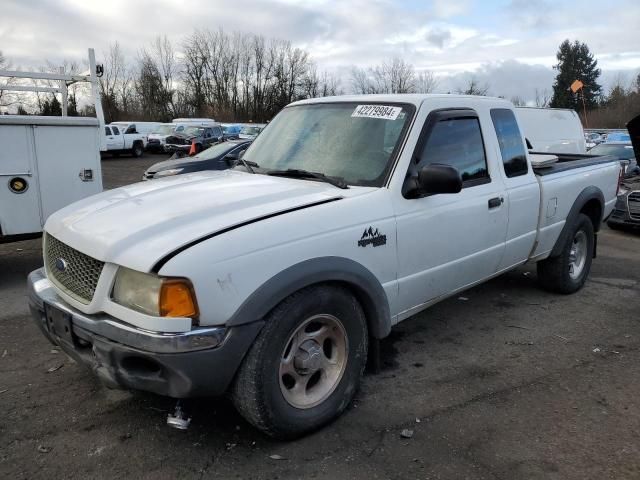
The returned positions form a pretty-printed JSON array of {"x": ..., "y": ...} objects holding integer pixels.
[{"x": 385, "y": 112}]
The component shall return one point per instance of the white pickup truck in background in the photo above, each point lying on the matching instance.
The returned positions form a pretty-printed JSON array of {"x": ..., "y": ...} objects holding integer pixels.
[
  {"x": 120, "y": 142},
  {"x": 346, "y": 216}
]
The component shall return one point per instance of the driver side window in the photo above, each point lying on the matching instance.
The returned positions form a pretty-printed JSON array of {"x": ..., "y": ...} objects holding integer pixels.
[{"x": 457, "y": 142}]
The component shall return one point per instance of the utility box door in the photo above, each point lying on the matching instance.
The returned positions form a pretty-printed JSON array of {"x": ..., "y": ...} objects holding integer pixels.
[
  {"x": 68, "y": 165},
  {"x": 19, "y": 210},
  {"x": 57, "y": 158}
]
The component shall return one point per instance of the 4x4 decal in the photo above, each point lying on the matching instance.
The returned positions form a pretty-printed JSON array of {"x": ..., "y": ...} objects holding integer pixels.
[{"x": 372, "y": 237}]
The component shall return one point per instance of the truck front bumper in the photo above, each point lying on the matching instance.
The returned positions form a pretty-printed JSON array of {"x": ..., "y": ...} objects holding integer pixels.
[{"x": 201, "y": 362}]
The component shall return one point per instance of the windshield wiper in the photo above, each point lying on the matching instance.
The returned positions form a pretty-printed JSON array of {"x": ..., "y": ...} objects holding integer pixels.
[
  {"x": 299, "y": 173},
  {"x": 248, "y": 164}
]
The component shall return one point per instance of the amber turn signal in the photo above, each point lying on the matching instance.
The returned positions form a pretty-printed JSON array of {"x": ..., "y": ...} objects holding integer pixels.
[{"x": 177, "y": 299}]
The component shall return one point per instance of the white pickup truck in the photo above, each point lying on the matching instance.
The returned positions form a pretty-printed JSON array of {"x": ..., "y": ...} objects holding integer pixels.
[
  {"x": 121, "y": 140},
  {"x": 346, "y": 216}
]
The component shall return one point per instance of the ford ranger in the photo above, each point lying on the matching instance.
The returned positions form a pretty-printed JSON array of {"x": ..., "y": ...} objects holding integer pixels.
[{"x": 271, "y": 280}]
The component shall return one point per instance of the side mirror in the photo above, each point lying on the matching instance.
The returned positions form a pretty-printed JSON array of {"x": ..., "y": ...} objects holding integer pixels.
[{"x": 437, "y": 178}]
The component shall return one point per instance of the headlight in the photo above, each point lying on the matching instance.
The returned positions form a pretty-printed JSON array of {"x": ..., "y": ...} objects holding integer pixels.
[
  {"x": 168, "y": 173},
  {"x": 153, "y": 295}
]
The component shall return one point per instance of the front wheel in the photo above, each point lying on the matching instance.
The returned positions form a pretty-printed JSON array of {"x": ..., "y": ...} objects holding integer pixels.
[
  {"x": 305, "y": 366},
  {"x": 568, "y": 272}
]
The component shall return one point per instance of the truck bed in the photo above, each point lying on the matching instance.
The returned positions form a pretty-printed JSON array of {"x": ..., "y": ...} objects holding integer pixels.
[{"x": 570, "y": 161}]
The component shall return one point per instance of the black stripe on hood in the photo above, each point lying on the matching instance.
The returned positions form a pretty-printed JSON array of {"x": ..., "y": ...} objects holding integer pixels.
[{"x": 160, "y": 263}]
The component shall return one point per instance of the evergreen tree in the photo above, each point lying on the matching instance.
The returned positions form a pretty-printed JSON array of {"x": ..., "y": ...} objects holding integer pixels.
[
  {"x": 51, "y": 107},
  {"x": 575, "y": 62}
]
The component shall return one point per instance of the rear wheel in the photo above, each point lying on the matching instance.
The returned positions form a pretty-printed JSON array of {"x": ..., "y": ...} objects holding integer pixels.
[
  {"x": 305, "y": 366},
  {"x": 568, "y": 272},
  {"x": 137, "y": 150}
]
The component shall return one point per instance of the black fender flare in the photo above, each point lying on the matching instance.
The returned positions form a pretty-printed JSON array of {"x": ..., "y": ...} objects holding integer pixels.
[
  {"x": 363, "y": 284},
  {"x": 588, "y": 194}
]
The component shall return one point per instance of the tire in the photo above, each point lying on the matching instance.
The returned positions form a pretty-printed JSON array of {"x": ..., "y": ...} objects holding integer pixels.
[
  {"x": 137, "y": 150},
  {"x": 567, "y": 273},
  {"x": 287, "y": 405}
]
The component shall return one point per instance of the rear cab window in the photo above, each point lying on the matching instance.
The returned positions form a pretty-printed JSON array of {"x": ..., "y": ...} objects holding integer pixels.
[
  {"x": 107, "y": 131},
  {"x": 115, "y": 130},
  {"x": 455, "y": 139},
  {"x": 514, "y": 158}
]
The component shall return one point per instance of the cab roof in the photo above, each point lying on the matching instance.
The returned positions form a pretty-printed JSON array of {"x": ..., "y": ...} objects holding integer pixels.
[{"x": 412, "y": 98}]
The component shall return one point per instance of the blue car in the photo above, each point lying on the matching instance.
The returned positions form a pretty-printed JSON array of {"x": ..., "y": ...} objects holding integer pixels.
[{"x": 231, "y": 131}]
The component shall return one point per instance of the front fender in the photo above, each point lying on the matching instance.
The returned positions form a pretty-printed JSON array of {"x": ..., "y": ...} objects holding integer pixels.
[{"x": 364, "y": 285}]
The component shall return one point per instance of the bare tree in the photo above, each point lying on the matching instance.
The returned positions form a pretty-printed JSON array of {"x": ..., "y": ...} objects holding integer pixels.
[
  {"x": 115, "y": 84},
  {"x": 361, "y": 82},
  {"x": 425, "y": 82},
  {"x": 394, "y": 76},
  {"x": 543, "y": 98},
  {"x": 518, "y": 101},
  {"x": 229, "y": 76},
  {"x": 7, "y": 98},
  {"x": 474, "y": 88}
]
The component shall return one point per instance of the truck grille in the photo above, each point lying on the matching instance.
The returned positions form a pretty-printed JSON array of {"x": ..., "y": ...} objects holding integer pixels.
[
  {"x": 73, "y": 272},
  {"x": 633, "y": 202}
]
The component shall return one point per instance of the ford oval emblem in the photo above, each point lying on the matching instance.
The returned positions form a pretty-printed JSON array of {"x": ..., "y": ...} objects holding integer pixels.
[{"x": 61, "y": 265}]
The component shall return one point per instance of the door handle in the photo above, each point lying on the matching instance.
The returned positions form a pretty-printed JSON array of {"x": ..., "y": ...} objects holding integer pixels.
[{"x": 496, "y": 202}]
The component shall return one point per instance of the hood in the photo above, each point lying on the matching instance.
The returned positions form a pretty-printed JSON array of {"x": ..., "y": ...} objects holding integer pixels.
[
  {"x": 138, "y": 225},
  {"x": 180, "y": 138},
  {"x": 176, "y": 163},
  {"x": 634, "y": 132}
]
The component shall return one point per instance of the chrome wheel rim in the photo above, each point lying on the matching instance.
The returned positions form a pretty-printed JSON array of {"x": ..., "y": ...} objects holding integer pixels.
[
  {"x": 578, "y": 255},
  {"x": 313, "y": 361}
]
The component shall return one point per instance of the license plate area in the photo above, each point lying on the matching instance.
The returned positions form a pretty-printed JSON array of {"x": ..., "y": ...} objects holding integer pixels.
[{"x": 59, "y": 323}]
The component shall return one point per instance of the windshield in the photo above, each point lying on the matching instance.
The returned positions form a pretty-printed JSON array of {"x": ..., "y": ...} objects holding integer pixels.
[
  {"x": 250, "y": 130},
  {"x": 215, "y": 151},
  {"x": 164, "y": 129},
  {"x": 351, "y": 141},
  {"x": 194, "y": 130},
  {"x": 622, "y": 152}
]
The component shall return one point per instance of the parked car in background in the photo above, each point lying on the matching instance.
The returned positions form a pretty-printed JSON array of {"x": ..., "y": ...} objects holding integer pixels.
[
  {"x": 158, "y": 138},
  {"x": 623, "y": 151},
  {"x": 592, "y": 139},
  {"x": 555, "y": 130},
  {"x": 198, "y": 122},
  {"x": 231, "y": 130},
  {"x": 201, "y": 137},
  {"x": 251, "y": 131},
  {"x": 618, "y": 137},
  {"x": 120, "y": 142},
  {"x": 626, "y": 213},
  {"x": 140, "y": 128},
  {"x": 217, "y": 157}
]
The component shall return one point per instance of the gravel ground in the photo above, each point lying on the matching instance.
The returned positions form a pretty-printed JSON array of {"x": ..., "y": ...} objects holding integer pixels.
[{"x": 504, "y": 382}]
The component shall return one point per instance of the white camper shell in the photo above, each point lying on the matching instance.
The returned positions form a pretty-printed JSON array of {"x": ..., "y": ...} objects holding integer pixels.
[{"x": 555, "y": 130}]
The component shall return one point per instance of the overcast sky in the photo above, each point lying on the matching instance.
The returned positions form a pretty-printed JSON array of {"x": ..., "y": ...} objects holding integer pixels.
[{"x": 508, "y": 44}]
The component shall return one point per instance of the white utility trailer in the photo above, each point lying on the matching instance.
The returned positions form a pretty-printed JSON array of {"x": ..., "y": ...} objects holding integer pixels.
[{"x": 46, "y": 163}]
